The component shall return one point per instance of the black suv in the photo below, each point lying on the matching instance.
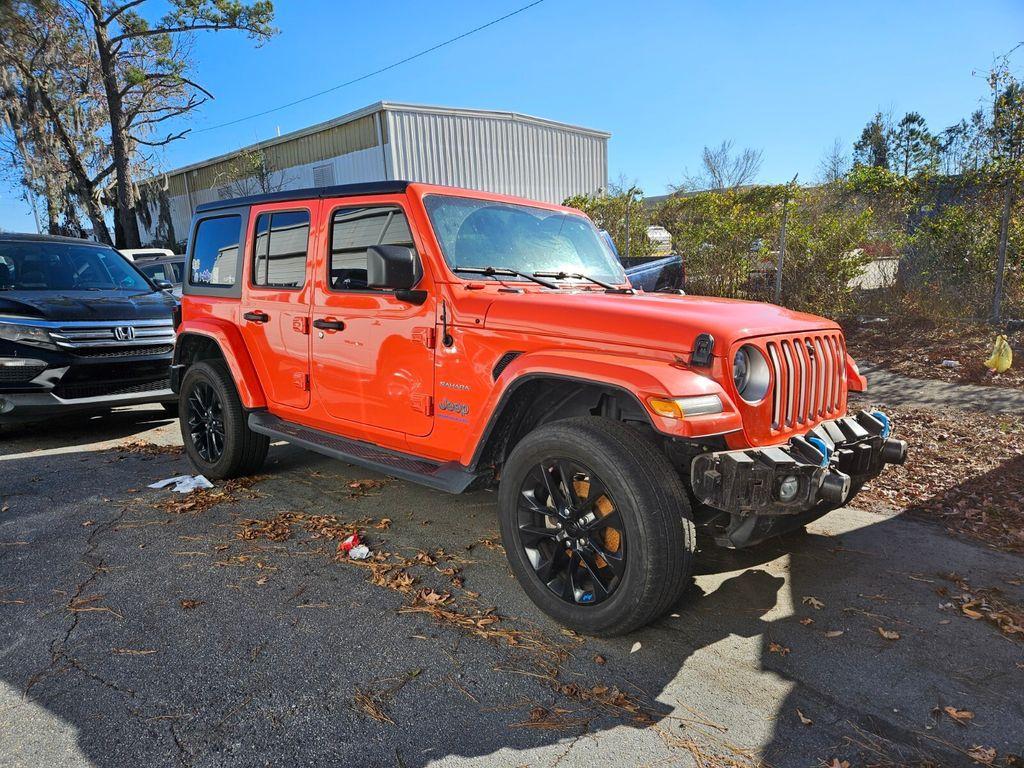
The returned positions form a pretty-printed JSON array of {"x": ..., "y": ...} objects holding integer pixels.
[{"x": 81, "y": 328}]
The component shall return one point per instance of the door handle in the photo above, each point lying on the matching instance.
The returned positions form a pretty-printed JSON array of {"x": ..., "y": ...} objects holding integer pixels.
[
  {"x": 256, "y": 317},
  {"x": 329, "y": 325}
]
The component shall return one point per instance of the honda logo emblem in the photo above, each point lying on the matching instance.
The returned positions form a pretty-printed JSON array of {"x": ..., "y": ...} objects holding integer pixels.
[{"x": 124, "y": 333}]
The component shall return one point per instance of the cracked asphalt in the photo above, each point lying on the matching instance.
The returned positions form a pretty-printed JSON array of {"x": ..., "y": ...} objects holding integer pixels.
[{"x": 133, "y": 633}]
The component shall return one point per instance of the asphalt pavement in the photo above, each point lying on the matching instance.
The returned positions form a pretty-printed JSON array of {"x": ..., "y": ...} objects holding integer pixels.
[{"x": 136, "y": 629}]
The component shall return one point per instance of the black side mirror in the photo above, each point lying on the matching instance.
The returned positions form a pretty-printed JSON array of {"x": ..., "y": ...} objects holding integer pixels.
[
  {"x": 396, "y": 268},
  {"x": 163, "y": 285}
]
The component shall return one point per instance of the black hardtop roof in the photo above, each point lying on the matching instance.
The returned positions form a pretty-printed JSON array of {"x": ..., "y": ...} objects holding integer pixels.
[
  {"x": 310, "y": 193},
  {"x": 28, "y": 237}
]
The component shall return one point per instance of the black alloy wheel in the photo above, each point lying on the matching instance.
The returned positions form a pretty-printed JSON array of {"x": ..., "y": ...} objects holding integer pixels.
[
  {"x": 571, "y": 531},
  {"x": 206, "y": 422}
]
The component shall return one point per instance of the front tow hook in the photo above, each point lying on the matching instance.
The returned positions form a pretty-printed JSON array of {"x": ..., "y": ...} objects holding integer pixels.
[
  {"x": 835, "y": 487},
  {"x": 894, "y": 451}
]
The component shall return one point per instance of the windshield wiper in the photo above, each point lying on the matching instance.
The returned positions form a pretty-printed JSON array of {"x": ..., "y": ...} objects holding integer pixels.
[
  {"x": 581, "y": 276},
  {"x": 492, "y": 271}
]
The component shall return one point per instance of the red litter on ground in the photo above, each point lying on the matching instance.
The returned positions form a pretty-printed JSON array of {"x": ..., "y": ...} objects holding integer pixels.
[{"x": 345, "y": 545}]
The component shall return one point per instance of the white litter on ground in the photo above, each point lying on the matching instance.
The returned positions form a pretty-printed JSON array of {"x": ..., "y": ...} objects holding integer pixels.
[
  {"x": 184, "y": 483},
  {"x": 359, "y": 552}
]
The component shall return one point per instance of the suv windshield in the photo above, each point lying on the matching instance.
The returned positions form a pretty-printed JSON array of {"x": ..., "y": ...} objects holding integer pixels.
[
  {"x": 54, "y": 266},
  {"x": 485, "y": 233}
]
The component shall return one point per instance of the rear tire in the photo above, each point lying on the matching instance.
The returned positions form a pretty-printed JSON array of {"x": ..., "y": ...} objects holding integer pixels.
[
  {"x": 655, "y": 540},
  {"x": 228, "y": 448}
]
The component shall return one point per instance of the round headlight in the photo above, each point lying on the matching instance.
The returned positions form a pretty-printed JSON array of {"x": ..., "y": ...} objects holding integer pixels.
[
  {"x": 740, "y": 369},
  {"x": 750, "y": 373}
]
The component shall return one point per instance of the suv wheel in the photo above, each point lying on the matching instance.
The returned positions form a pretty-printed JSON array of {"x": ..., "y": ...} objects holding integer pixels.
[
  {"x": 213, "y": 427},
  {"x": 596, "y": 525}
]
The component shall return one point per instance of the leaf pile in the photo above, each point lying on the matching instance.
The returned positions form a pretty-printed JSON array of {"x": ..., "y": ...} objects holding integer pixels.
[
  {"x": 965, "y": 470},
  {"x": 280, "y": 526},
  {"x": 988, "y": 604},
  {"x": 204, "y": 499},
  {"x": 482, "y": 624},
  {"x": 918, "y": 350},
  {"x": 147, "y": 448}
]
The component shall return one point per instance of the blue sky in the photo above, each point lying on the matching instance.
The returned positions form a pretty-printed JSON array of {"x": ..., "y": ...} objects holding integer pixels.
[{"x": 665, "y": 78}]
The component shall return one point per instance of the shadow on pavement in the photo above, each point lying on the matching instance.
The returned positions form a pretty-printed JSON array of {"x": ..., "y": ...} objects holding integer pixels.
[{"x": 264, "y": 660}]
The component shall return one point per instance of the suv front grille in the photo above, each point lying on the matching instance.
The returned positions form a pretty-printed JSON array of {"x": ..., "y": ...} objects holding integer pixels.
[
  {"x": 91, "y": 338},
  {"x": 809, "y": 378},
  {"x": 161, "y": 349}
]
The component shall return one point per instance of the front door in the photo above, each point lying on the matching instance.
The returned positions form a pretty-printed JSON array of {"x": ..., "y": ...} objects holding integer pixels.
[
  {"x": 276, "y": 300},
  {"x": 372, "y": 354}
]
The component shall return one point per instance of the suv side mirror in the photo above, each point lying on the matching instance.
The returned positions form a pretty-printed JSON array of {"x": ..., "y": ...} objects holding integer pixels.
[
  {"x": 163, "y": 285},
  {"x": 397, "y": 268}
]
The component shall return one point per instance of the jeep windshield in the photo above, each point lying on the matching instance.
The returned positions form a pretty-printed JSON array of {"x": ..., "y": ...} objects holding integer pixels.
[
  {"x": 477, "y": 234},
  {"x": 56, "y": 266}
]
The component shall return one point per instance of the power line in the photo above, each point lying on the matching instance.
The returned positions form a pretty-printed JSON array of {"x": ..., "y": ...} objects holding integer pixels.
[{"x": 368, "y": 75}]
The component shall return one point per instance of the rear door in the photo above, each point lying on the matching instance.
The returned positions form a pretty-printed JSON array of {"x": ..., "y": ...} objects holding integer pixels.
[
  {"x": 276, "y": 300},
  {"x": 373, "y": 354}
]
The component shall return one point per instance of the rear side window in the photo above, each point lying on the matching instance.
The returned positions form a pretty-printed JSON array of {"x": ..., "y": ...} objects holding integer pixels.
[
  {"x": 215, "y": 252},
  {"x": 164, "y": 271},
  {"x": 279, "y": 258},
  {"x": 353, "y": 230}
]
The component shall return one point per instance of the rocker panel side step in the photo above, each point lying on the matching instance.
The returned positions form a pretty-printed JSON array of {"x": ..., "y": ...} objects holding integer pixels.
[{"x": 450, "y": 477}]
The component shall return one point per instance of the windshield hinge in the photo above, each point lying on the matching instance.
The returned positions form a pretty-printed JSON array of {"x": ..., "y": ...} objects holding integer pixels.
[
  {"x": 423, "y": 403},
  {"x": 425, "y": 336}
]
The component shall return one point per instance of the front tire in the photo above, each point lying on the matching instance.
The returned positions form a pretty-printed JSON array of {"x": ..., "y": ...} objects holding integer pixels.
[
  {"x": 213, "y": 424},
  {"x": 596, "y": 525}
]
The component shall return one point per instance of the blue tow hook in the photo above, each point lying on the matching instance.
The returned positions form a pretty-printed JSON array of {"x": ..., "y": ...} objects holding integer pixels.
[
  {"x": 818, "y": 443},
  {"x": 886, "y": 424}
]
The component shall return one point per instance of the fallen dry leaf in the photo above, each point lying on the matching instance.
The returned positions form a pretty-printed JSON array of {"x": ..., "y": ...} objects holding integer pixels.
[
  {"x": 834, "y": 633},
  {"x": 188, "y": 605},
  {"x": 599, "y": 659},
  {"x": 983, "y": 755},
  {"x": 888, "y": 634},
  {"x": 812, "y": 601},
  {"x": 635, "y": 648},
  {"x": 807, "y": 621},
  {"x": 779, "y": 649},
  {"x": 961, "y": 716},
  {"x": 837, "y": 764},
  {"x": 804, "y": 718}
]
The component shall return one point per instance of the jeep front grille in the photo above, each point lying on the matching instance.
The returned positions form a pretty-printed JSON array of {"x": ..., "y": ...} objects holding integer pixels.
[
  {"x": 79, "y": 337},
  {"x": 809, "y": 377}
]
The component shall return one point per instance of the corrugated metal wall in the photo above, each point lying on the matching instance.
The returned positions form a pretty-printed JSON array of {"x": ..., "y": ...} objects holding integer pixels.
[
  {"x": 492, "y": 151},
  {"x": 504, "y": 153}
]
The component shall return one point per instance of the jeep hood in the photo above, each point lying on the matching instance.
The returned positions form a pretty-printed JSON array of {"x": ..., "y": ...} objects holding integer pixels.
[
  {"x": 86, "y": 305},
  {"x": 652, "y": 321}
]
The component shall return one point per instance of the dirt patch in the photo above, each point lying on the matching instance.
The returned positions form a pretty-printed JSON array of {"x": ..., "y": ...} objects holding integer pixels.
[
  {"x": 918, "y": 350},
  {"x": 965, "y": 470}
]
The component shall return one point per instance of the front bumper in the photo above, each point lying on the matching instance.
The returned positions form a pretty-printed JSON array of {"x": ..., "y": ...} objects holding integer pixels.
[
  {"x": 762, "y": 491},
  {"x": 32, "y": 406}
]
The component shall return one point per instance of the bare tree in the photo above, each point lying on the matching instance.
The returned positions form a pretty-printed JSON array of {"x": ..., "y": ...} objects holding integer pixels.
[
  {"x": 835, "y": 164},
  {"x": 145, "y": 71},
  {"x": 722, "y": 169},
  {"x": 251, "y": 173},
  {"x": 50, "y": 123}
]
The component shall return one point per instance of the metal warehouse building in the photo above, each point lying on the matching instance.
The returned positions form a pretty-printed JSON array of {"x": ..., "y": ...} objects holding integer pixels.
[{"x": 501, "y": 152}]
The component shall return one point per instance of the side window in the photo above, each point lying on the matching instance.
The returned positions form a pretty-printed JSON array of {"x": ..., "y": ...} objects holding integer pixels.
[
  {"x": 215, "y": 252},
  {"x": 353, "y": 230},
  {"x": 279, "y": 258}
]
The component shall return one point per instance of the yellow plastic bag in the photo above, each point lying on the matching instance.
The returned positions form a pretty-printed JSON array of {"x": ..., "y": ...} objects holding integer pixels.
[{"x": 1002, "y": 355}]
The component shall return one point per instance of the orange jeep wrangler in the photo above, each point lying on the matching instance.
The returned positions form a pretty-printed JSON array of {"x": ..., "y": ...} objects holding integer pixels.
[{"x": 458, "y": 338}]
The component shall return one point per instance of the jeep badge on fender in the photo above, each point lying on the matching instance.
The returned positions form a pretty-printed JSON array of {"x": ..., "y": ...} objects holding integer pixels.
[{"x": 613, "y": 422}]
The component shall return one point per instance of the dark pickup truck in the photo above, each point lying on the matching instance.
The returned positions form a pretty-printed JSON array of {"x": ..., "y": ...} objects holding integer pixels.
[{"x": 81, "y": 329}]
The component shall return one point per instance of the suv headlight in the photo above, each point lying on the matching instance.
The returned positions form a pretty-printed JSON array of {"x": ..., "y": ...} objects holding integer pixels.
[
  {"x": 26, "y": 334},
  {"x": 750, "y": 373}
]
